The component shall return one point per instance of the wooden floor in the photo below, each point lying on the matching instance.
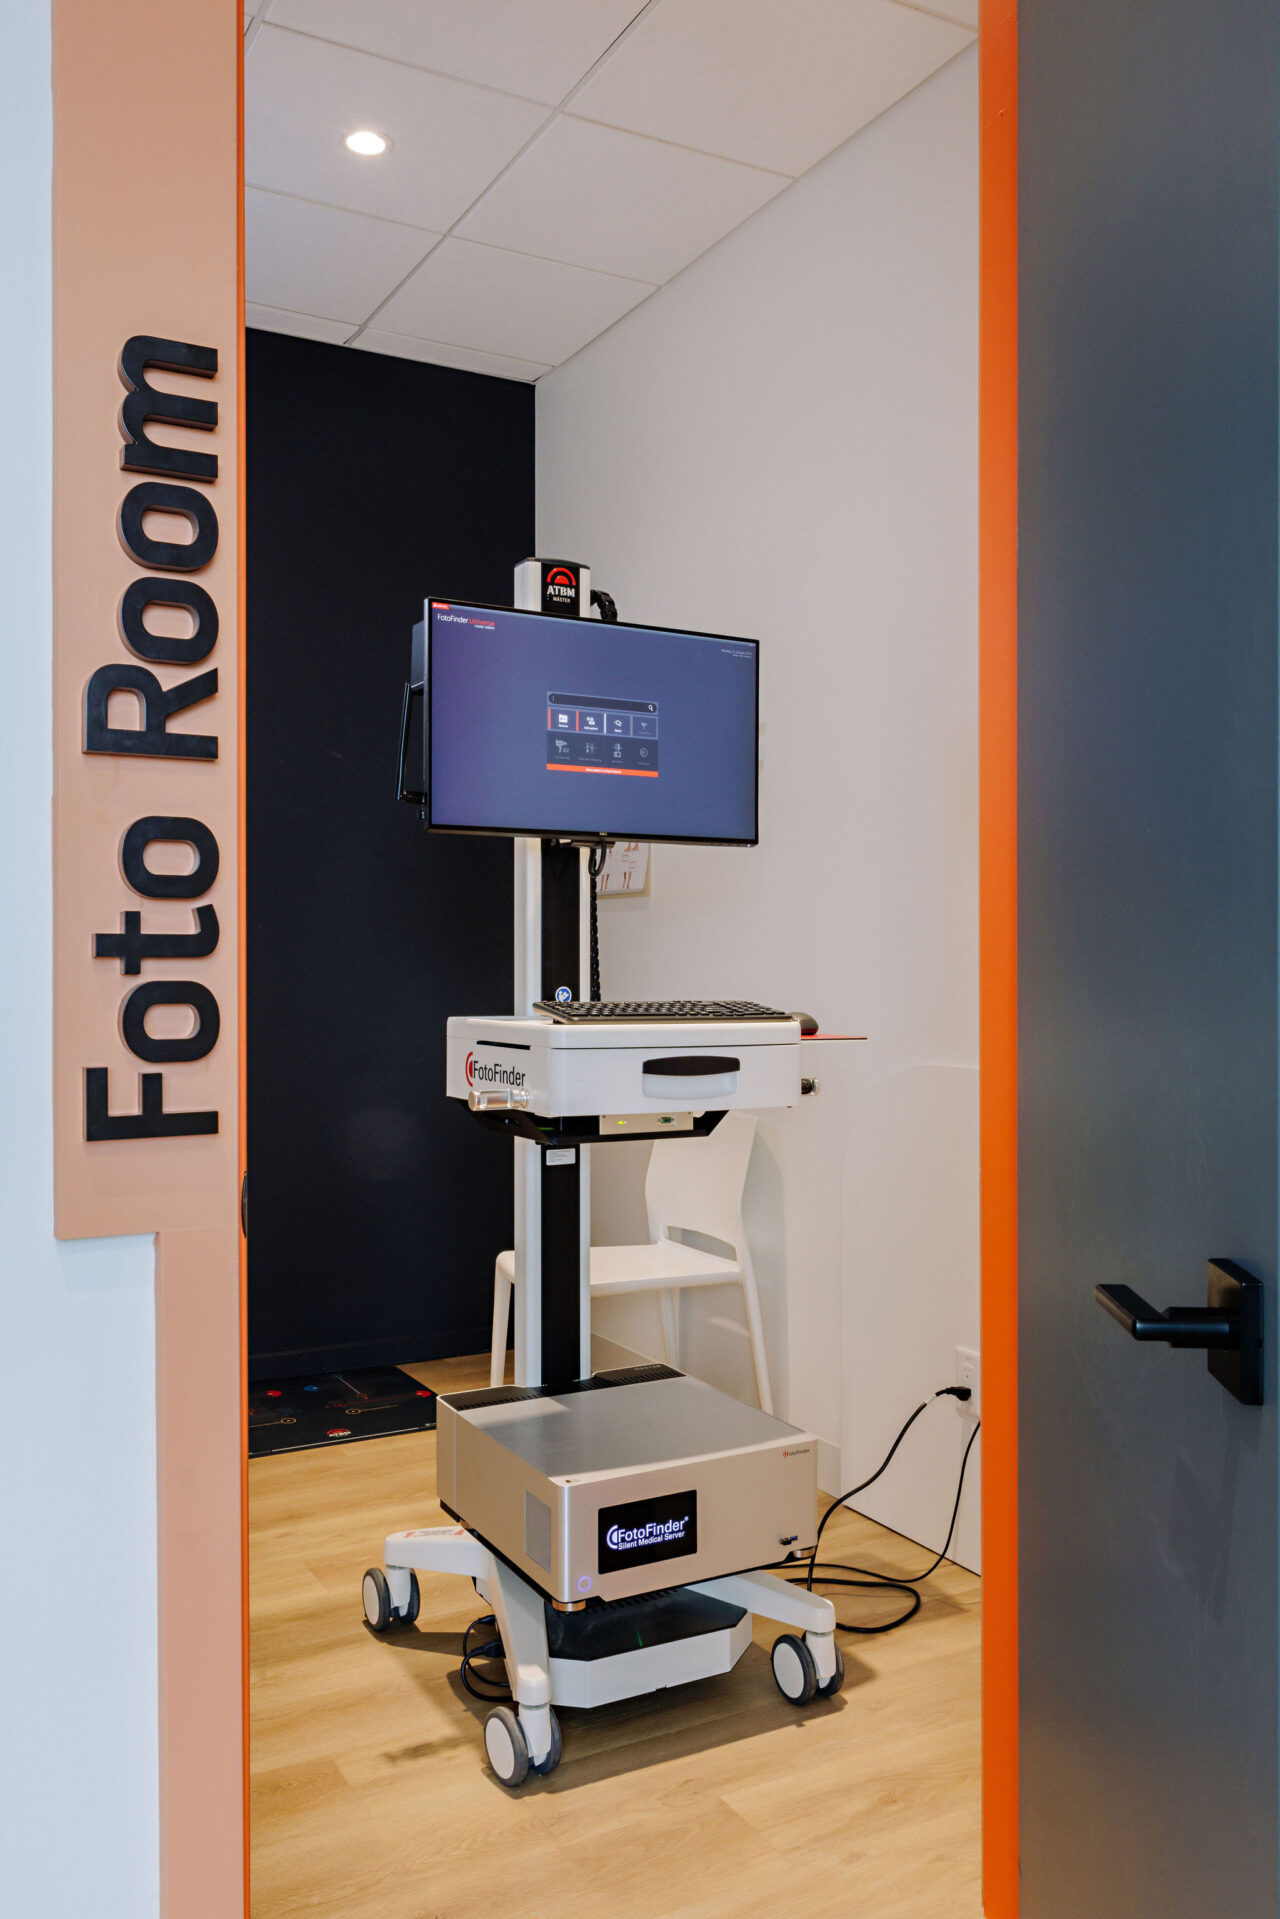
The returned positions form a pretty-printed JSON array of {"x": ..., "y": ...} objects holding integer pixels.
[{"x": 370, "y": 1795}]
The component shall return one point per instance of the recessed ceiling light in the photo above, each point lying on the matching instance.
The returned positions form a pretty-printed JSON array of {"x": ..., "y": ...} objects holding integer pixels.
[{"x": 367, "y": 142}]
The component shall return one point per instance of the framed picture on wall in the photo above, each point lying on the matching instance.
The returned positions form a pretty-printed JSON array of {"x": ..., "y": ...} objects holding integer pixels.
[{"x": 626, "y": 869}]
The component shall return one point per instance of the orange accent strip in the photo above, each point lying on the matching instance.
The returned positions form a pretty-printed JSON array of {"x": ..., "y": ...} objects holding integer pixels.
[
  {"x": 615, "y": 772},
  {"x": 998, "y": 979}
]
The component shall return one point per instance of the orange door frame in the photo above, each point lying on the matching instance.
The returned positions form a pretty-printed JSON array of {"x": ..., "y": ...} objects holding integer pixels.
[
  {"x": 998, "y": 519},
  {"x": 998, "y": 839}
]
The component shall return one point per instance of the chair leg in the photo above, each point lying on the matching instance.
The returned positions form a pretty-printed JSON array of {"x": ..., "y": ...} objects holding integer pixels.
[
  {"x": 501, "y": 1311},
  {"x": 670, "y": 1326},
  {"x": 755, "y": 1326}
]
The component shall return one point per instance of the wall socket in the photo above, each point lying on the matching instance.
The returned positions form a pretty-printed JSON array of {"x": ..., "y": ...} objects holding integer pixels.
[{"x": 969, "y": 1373}]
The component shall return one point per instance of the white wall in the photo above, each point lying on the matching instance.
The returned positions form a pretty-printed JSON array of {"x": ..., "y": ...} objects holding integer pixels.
[
  {"x": 783, "y": 442},
  {"x": 79, "y": 1829}
]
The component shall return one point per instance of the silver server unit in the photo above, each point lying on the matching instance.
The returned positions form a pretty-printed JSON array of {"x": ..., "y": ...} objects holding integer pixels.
[{"x": 628, "y": 1483}]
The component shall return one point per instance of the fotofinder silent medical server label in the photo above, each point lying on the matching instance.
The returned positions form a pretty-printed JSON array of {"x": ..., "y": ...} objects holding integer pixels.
[{"x": 646, "y": 1530}]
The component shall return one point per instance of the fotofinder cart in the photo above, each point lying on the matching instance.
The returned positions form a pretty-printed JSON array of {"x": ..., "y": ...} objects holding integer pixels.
[{"x": 617, "y": 1523}]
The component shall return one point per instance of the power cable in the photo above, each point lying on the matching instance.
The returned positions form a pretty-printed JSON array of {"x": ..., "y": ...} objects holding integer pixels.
[{"x": 828, "y": 1572}]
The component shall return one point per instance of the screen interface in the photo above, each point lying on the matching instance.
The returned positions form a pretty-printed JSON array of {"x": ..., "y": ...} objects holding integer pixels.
[{"x": 547, "y": 725}]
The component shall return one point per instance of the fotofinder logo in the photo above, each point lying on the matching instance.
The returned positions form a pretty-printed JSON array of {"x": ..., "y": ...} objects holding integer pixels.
[
  {"x": 645, "y": 1530},
  {"x": 627, "y": 1539},
  {"x": 492, "y": 1072}
]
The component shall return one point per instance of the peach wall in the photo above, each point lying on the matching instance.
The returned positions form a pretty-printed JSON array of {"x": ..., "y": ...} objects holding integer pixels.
[
  {"x": 147, "y": 241},
  {"x": 145, "y": 209}
]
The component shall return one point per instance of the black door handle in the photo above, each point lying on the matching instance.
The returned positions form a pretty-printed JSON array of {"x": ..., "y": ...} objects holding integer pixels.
[
  {"x": 1230, "y": 1326},
  {"x": 1179, "y": 1326}
]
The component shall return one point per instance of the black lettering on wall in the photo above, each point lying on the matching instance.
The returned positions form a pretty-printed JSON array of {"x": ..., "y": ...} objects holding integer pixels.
[
  {"x": 170, "y": 992},
  {"x": 169, "y": 886},
  {"x": 150, "y": 591},
  {"x": 144, "y": 403},
  {"x": 151, "y": 1123},
  {"x": 152, "y": 738},
  {"x": 143, "y": 406},
  {"x": 177, "y": 556},
  {"x": 131, "y": 945}
]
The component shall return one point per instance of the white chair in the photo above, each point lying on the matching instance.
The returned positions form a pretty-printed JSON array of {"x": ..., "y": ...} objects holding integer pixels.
[{"x": 693, "y": 1185}]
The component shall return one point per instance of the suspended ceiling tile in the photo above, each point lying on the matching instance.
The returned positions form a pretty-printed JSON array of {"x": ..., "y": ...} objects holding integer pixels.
[
  {"x": 539, "y": 48},
  {"x": 303, "y": 97},
  {"x": 438, "y": 354},
  {"x": 596, "y": 197},
  {"x": 321, "y": 260},
  {"x": 303, "y": 326},
  {"x": 776, "y": 85},
  {"x": 963, "y": 11},
  {"x": 508, "y": 303}
]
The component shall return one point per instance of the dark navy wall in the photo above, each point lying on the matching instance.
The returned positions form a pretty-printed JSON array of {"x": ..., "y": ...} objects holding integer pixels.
[
  {"x": 376, "y": 1206},
  {"x": 1148, "y": 509}
]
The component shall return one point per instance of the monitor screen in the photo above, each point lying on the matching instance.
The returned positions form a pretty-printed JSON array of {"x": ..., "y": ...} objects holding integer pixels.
[{"x": 545, "y": 725}]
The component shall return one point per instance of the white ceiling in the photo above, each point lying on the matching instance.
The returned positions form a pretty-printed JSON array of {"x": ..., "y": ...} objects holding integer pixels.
[{"x": 552, "y": 162}]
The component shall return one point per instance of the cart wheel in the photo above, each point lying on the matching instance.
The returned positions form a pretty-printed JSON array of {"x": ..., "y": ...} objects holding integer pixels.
[
  {"x": 836, "y": 1683},
  {"x": 793, "y": 1669},
  {"x": 376, "y": 1593},
  {"x": 552, "y": 1760},
  {"x": 410, "y": 1613},
  {"x": 505, "y": 1746}
]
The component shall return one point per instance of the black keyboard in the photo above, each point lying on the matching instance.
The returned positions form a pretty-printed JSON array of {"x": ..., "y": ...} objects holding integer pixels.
[{"x": 657, "y": 1009}]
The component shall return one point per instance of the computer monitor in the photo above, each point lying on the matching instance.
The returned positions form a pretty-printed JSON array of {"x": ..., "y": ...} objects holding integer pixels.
[{"x": 537, "y": 724}]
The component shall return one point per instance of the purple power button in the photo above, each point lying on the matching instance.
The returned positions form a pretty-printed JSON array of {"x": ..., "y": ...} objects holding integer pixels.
[{"x": 584, "y": 1584}]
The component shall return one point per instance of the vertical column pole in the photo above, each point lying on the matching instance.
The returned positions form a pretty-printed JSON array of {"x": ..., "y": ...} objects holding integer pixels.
[
  {"x": 552, "y": 1203},
  {"x": 528, "y": 1160}
]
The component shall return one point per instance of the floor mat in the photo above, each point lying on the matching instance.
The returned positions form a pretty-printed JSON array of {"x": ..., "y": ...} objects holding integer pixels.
[{"x": 329, "y": 1409}]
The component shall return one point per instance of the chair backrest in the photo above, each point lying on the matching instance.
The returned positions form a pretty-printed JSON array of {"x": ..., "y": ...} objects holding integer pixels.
[{"x": 696, "y": 1185}]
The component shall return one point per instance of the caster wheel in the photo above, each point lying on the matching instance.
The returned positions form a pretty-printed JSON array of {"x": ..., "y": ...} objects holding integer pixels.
[
  {"x": 505, "y": 1747},
  {"x": 836, "y": 1683},
  {"x": 793, "y": 1669},
  {"x": 552, "y": 1760},
  {"x": 376, "y": 1594},
  {"x": 378, "y": 1609}
]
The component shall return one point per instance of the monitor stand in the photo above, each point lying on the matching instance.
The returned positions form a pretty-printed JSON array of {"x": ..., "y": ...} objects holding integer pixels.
[{"x": 570, "y": 1652}]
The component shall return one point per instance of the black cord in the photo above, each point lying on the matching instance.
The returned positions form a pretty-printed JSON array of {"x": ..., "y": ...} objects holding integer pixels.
[
  {"x": 607, "y": 607},
  {"x": 595, "y": 866},
  {"x": 826, "y": 1572},
  {"x": 490, "y": 1649},
  {"x": 913, "y": 1579}
]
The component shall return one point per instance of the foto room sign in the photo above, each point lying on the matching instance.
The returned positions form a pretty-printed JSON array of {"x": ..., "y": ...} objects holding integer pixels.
[
  {"x": 150, "y": 737},
  {"x": 146, "y": 789}
]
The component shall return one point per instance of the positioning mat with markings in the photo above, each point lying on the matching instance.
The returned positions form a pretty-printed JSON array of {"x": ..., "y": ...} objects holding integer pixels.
[{"x": 328, "y": 1409}]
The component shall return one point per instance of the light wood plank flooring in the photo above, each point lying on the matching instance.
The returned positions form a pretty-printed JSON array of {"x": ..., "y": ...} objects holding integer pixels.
[{"x": 370, "y": 1796}]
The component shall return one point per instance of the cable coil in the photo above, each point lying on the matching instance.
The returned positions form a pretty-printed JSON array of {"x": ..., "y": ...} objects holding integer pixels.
[{"x": 827, "y": 1572}]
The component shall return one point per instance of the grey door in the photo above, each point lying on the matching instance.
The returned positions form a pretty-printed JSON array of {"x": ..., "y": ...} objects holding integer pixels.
[{"x": 1148, "y": 801}]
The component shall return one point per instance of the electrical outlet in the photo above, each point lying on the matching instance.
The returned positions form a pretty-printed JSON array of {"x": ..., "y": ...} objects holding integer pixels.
[{"x": 969, "y": 1373}]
